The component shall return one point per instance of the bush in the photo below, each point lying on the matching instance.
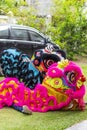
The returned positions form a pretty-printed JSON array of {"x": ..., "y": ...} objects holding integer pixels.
[{"x": 69, "y": 27}]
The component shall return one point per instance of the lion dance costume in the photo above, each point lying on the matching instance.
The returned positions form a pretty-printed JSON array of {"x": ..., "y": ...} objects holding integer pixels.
[{"x": 62, "y": 88}]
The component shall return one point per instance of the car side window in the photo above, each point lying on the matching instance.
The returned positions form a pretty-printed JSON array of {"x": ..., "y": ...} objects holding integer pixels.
[
  {"x": 35, "y": 37},
  {"x": 19, "y": 34},
  {"x": 4, "y": 32}
]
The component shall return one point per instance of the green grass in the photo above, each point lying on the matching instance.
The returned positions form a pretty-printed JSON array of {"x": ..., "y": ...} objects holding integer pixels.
[
  {"x": 57, "y": 120},
  {"x": 11, "y": 119}
]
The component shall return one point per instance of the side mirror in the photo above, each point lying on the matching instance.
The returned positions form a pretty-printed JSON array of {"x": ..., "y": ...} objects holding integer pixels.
[{"x": 48, "y": 39}]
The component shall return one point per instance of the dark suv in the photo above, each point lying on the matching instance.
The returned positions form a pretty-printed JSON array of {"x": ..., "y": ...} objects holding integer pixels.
[{"x": 24, "y": 38}]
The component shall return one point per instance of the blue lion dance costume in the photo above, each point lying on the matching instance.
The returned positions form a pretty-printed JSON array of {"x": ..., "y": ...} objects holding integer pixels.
[{"x": 16, "y": 64}]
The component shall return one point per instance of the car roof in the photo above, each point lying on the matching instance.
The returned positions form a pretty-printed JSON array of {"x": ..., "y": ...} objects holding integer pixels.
[{"x": 22, "y": 27}]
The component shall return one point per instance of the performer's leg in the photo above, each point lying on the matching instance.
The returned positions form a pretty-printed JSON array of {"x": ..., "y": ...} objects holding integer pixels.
[{"x": 24, "y": 109}]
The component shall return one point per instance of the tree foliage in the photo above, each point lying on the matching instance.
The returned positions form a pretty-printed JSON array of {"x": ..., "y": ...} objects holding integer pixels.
[
  {"x": 69, "y": 26},
  {"x": 25, "y": 15}
]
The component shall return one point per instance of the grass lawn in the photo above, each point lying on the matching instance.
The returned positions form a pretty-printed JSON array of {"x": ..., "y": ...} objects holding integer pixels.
[{"x": 10, "y": 119}]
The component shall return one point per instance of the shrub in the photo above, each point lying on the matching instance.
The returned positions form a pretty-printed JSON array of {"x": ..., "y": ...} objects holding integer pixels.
[{"x": 69, "y": 27}]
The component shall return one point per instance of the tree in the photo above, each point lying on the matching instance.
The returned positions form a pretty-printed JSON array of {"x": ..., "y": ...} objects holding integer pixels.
[
  {"x": 69, "y": 26},
  {"x": 25, "y": 15}
]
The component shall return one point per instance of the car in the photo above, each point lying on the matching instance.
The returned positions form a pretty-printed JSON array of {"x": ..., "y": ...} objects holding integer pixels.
[{"x": 24, "y": 38}]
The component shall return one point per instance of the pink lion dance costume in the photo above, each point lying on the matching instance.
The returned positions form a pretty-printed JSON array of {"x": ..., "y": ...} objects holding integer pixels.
[{"x": 62, "y": 88}]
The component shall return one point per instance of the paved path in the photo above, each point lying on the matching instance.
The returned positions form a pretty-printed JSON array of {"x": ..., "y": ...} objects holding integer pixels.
[{"x": 79, "y": 126}]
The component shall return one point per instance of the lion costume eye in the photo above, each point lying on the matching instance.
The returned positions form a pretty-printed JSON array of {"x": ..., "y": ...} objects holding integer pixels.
[
  {"x": 56, "y": 82},
  {"x": 71, "y": 76},
  {"x": 47, "y": 63}
]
